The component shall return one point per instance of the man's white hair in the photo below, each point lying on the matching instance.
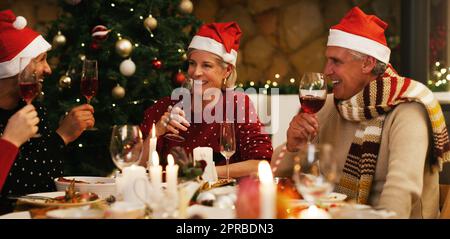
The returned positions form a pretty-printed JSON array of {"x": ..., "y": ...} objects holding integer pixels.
[{"x": 380, "y": 67}]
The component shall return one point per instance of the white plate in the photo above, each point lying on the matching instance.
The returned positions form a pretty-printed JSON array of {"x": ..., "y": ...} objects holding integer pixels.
[
  {"x": 42, "y": 202},
  {"x": 76, "y": 213},
  {"x": 17, "y": 215},
  {"x": 333, "y": 197},
  {"x": 102, "y": 186}
]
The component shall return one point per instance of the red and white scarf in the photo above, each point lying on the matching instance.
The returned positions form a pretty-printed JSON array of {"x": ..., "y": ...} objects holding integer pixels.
[{"x": 370, "y": 107}]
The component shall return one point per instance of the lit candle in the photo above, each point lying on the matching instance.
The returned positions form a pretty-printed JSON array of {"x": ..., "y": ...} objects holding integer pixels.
[
  {"x": 171, "y": 174},
  {"x": 206, "y": 154},
  {"x": 156, "y": 173},
  {"x": 267, "y": 191},
  {"x": 314, "y": 212},
  {"x": 152, "y": 144}
]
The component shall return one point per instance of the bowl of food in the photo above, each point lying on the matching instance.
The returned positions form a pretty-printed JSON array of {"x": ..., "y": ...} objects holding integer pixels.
[{"x": 104, "y": 187}]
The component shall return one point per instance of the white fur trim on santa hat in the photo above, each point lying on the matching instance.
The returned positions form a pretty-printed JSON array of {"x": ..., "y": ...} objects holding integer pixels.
[
  {"x": 359, "y": 44},
  {"x": 213, "y": 46},
  {"x": 36, "y": 47}
]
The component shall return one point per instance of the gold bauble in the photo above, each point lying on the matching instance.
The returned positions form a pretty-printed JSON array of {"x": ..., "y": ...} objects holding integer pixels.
[
  {"x": 184, "y": 57},
  {"x": 82, "y": 57},
  {"x": 59, "y": 40},
  {"x": 124, "y": 47},
  {"x": 186, "y": 7},
  {"x": 118, "y": 92},
  {"x": 65, "y": 81},
  {"x": 150, "y": 23}
]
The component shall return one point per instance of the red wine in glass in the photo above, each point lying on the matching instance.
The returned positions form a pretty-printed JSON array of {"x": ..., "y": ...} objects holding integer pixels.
[
  {"x": 89, "y": 87},
  {"x": 311, "y": 104},
  {"x": 29, "y": 90}
]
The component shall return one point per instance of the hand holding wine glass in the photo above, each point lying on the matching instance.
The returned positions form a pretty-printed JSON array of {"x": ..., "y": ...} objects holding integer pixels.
[
  {"x": 227, "y": 143},
  {"x": 89, "y": 81},
  {"x": 29, "y": 81}
]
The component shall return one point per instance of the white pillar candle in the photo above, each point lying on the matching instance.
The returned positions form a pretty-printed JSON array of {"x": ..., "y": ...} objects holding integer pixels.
[
  {"x": 134, "y": 183},
  {"x": 206, "y": 154},
  {"x": 152, "y": 145},
  {"x": 171, "y": 174},
  {"x": 267, "y": 191},
  {"x": 156, "y": 173},
  {"x": 313, "y": 212}
]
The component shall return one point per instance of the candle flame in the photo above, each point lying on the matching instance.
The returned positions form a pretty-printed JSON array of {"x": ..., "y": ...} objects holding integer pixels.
[
  {"x": 170, "y": 160},
  {"x": 155, "y": 159},
  {"x": 153, "y": 131},
  {"x": 264, "y": 172}
]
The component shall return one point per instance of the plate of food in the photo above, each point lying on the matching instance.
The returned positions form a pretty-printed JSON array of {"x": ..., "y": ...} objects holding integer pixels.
[
  {"x": 333, "y": 197},
  {"x": 102, "y": 186},
  {"x": 60, "y": 199}
]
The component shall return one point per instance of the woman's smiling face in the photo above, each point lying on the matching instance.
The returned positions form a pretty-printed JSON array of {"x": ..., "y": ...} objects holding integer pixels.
[{"x": 207, "y": 69}]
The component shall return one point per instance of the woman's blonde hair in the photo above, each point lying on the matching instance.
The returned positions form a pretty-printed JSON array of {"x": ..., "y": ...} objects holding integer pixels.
[{"x": 230, "y": 81}]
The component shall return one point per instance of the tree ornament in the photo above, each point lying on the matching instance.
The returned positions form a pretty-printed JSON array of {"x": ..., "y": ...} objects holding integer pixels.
[
  {"x": 184, "y": 57},
  {"x": 73, "y": 2},
  {"x": 124, "y": 47},
  {"x": 127, "y": 67},
  {"x": 82, "y": 57},
  {"x": 179, "y": 78},
  {"x": 157, "y": 64},
  {"x": 100, "y": 33},
  {"x": 118, "y": 92},
  {"x": 186, "y": 7},
  {"x": 95, "y": 45},
  {"x": 59, "y": 40},
  {"x": 150, "y": 23},
  {"x": 65, "y": 81}
]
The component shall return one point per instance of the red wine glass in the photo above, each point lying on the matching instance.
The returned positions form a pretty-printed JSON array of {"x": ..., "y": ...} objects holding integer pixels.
[
  {"x": 89, "y": 81},
  {"x": 312, "y": 92}
]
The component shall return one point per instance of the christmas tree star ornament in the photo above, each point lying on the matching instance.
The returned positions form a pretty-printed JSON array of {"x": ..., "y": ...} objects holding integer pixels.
[
  {"x": 124, "y": 47},
  {"x": 127, "y": 67},
  {"x": 150, "y": 23}
]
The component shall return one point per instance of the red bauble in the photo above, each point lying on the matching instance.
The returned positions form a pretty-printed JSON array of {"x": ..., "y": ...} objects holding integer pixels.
[
  {"x": 95, "y": 45},
  {"x": 157, "y": 64},
  {"x": 179, "y": 78}
]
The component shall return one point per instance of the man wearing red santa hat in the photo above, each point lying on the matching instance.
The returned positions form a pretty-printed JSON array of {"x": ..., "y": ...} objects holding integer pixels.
[
  {"x": 388, "y": 132},
  {"x": 29, "y": 164}
]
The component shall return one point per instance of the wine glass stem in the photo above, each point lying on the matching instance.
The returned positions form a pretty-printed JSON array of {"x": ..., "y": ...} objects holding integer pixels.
[{"x": 228, "y": 167}]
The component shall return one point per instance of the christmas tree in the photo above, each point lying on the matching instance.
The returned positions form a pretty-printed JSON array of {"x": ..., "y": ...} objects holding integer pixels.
[{"x": 140, "y": 46}]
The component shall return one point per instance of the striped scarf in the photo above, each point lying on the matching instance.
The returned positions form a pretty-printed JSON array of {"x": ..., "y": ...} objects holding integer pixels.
[{"x": 370, "y": 107}]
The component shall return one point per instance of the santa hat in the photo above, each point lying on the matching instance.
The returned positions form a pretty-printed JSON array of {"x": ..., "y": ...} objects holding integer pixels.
[
  {"x": 17, "y": 41},
  {"x": 362, "y": 33},
  {"x": 221, "y": 39}
]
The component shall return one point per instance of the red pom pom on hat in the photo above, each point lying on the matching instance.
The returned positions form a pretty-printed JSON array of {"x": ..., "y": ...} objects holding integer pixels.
[
  {"x": 363, "y": 33},
  {"x": 221, "y": 39}
]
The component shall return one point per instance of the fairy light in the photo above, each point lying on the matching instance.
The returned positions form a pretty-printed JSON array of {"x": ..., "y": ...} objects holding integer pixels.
[
  {"x": 443, "y": 70},
  {"x": 437, "y": 63},
  {"x": 275, "y": 84},
  {"x": 266, "y": 86},
  {"x": 80, "y": 145},
  {"x": 277, "y": 76},
  {"x": 113, "y": 5},
  {"x": 131, "y": 9},
  {"x": 141, "y": 17},
  {"x": 268, "y": 82},
  {"x": 136, "y": 45},
  {"x": 292, "y": 80},
  {"x": 151, "y": 35},
  {"x": 113, "y": 105},
  {"x": 241, "y": 85},
  {"x": 82, "y": 44},
  {"x": 430, "y": 82},
  {"x": 439, "y": 74},
  {"x": 77, "y": 100},
  {"x": 252, "y": 83},
  {"x": 180, "y": 50}
]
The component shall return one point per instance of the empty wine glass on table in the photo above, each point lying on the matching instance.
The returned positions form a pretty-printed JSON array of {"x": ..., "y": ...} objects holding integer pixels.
[
  {"x": 89, "y": 81},
  {"x": 312, "y": 93},
  {"x": 29, "y": 81},
  {"x": 227, "y": 143},
  {"x": 126, "y": 145},
  {"x": 315, "y": 172}
]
